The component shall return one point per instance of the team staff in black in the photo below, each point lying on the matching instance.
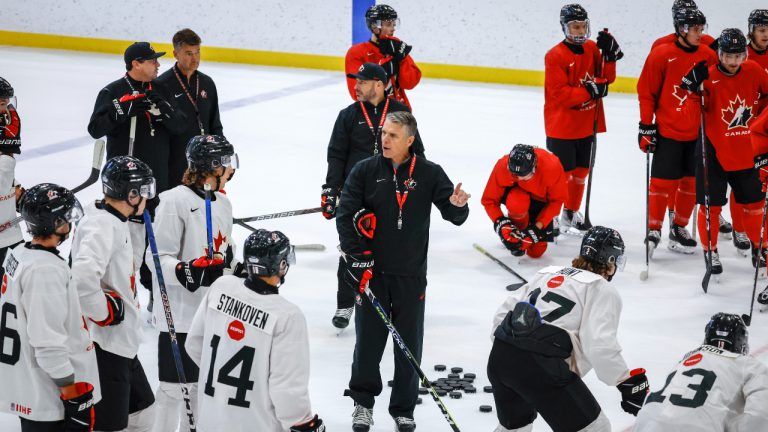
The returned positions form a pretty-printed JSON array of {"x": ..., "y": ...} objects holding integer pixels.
[
  {"x": 385, "y": 217},
  {"x": 157, "y": 116},
  {"x": 357, "y": 135},
  {"x": 195, "y": 95}
]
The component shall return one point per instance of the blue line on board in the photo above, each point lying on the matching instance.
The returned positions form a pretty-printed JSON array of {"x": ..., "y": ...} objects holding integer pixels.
[{"x": 360, "y": 31}]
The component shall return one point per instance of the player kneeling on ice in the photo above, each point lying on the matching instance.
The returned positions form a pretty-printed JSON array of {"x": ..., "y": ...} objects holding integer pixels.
[
  {"x": 531, "y": 183},
  {"x": 104, "y": 274},
  {"x": 182, "y": 244},
  {"x": 715, "y": 388},
  {"x": 253, "y": 348},
  {"x": 47, "y": 365},
  {"x": 551, "y": 332}
]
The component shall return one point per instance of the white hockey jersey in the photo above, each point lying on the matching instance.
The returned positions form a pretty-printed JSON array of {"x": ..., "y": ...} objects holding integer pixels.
[
  {"x": 710, "y": 390},
  {"x": 253, "y": 353},
  {"x": 9, "y": 234},
  {"x": 44, "y": 336},
  {"x": 181, "y": 235},
  {"x": 586, "y": 306},
  {"x": 102, "y": 260}
]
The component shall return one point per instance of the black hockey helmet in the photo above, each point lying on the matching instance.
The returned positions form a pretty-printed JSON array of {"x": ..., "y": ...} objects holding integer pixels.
[
  {"x": 686, "y": 17},
  {"x": 732, "y": 41},
  {"x": 6, "y": 90},
  {"x": 205, "y": 153},
  {"x": 47, "y": 206},
  {"x": 603, "y": 245},
  {"x": 683, "y": 4},
  {"x": 126, "y": 176},
  {"x": 522, "y": 160},
  {"x": 574, "y": 12},
  {"x": 728, "y": 332},
  {"x": 758, "y": 17},
  {"x": 267, "y": 253},
  {"x": 378, "y": 13}
]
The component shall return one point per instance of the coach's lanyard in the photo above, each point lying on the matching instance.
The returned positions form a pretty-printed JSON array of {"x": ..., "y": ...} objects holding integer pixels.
[
  {"x": 375, "y": 132},
  {"x": 192, "y": 100},
  {"x": 402, "y": 198}
]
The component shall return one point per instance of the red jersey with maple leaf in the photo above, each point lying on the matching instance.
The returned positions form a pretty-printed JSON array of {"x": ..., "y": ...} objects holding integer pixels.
[
  {"x": 407, "y": 78},
  {"x": 659, "y": 92},
  {"x": 759, "y": 57},
  {"x": 569, "y": 111},
  {"x": 731, "y": 103}
]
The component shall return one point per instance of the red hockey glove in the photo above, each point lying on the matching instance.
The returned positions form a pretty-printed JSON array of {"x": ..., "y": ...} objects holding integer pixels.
[
  {"x": 78, "y": 407},
  {"x": 329, "y": 199},
  {"x": 365, "y": 223},
  {"x": 115, "y": 310},
  {"x": 200, "y": 272},
  {"x": 633, "y": 391},
  {"x": 761, "y": 165},
  {"x": 314, "y": 425},
  {"x": 358, "y": 269},
  {"x": 10, "y": 131},
  {"x": 647, "y": 137}
]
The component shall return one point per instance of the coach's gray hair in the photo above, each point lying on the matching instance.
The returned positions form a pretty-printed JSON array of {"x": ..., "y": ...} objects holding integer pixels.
[{"x": 404, "y": 118}]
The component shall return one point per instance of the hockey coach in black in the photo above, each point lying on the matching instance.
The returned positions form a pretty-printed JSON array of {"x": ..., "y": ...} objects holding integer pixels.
[{"x": 383, "y": 224}]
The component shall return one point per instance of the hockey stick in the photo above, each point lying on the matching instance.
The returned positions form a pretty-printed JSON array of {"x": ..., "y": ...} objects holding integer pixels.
[
  {"x": 705, "y": 172},
  {"x": 644, "y": 273},
  {"x": 510, "y": 287},
  {"x": 408, "y": 355},
  {"x": 132, "y": 130},
  {"x": 208, "y": 222},
  {"x": 694, "y": 224},
  {"x": 280, "y": 214},
  {"x": 748, "y": 318},
  {"x": 593, "y": 148},
  {"x": 169, "y": 321},
  {"x": 307, "y": 247}
]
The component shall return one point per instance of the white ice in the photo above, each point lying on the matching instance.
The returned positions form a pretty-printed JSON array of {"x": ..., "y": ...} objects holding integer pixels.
[{"x": 466, "y": 127}]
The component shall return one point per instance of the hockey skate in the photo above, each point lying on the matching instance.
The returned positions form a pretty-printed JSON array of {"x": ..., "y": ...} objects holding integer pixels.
[
  {"x": 654, "y": 237},
  {"x": 671, "y": 222},
  {"x": 555, "y": 229},
  {"x": 762, "y": 298},
  {"x": 341, "y": 318},
  {"x": 362, "y": 419},
  {"x": 404, "y": 424},
  {"x": 680, "y": 240},
  {"x": 741, "y": 241},
  {"x": 758, "y": 260},
  {"x": 572, "y": 223},
  {"x": 726, "y": 229},
  {"x": 717, "y": 266}
]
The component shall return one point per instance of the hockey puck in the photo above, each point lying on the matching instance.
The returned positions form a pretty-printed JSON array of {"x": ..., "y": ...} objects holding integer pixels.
[
  {"x": 451, "y": 382},
  {"x": 441, "y": 392},
  {"x": 488, "y": 389},
  {"x": 467, "y": 380},
  {"x": 390, "y": 383},
  {"x": 418, "y": 401},
  {"x": 470, "y": 375},
  {"x": 470, "y": 389},
  {"x": 486, "y": 408},
  {"x": 455, "y": 395},
  {"x": 453, "y": 376},
  {"x": 457, "y": 370},
  {"x": 440, "y": 368},
  {"x": 423, "y": 391},
  {"x": 445, "y": 388}
]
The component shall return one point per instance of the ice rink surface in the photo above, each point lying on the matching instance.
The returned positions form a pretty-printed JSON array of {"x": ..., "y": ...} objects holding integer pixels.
[{"x": 280, "y": 121}]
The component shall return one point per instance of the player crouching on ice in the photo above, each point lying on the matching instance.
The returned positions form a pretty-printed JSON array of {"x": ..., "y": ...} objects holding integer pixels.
[
  {"x": 253, "y": 348},
  {"x": 552, "y": 332},
  {"x": 531, "y": 183},
  {"x": 715, "y": 388}
]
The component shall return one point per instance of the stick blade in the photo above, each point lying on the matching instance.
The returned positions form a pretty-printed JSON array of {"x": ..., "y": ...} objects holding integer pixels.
[
  {"x": 310, "y": 247},
  {"x": 515, "y": 286},
  {"x": 705, "y": 281},
  {"x": 98, "y": 154}
]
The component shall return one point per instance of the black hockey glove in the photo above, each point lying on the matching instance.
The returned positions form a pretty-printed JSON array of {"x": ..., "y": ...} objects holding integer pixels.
[
  {"x": 647, "y": 137},
  {"x": 329, "y": 199},
  {"x": 365, "y": 223},
  {"x": 314, "y": 425},
  {"x": 20, "y": 191},
  {"x": 78, "y": 408},
  {"x": 532, "y": 235},
  {"x": 597, "y": 89},
  {"x": 609, "y": 47},
  {"x": 633, "y": 391},
  {"x": 200, "y": 272},
  {"x": 693, "y": 79},
  {"x": 394, "y": 47},
  {"x": 159, "y": 105},
  {"x": 761, "y": 165},
  {"x": 508, "y": 234},
  {"x": 128, "y": 106},
  {"x": 115, "y": 310},
  {"x": 358, "y": 269},
  {"x": 391, "y": 67}
]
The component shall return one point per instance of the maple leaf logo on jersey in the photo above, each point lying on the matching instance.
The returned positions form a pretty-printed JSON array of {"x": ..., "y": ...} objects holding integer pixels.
[
  {"x": 738, "y": 114},
  {"x": 587, "y": 77},
  {"x": 680, "y": 94}
]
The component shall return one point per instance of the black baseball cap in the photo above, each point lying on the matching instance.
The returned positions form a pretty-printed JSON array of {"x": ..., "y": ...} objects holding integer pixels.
[
  {"x": 370, "y": 71},
  {"x": 140, "y": 51}
]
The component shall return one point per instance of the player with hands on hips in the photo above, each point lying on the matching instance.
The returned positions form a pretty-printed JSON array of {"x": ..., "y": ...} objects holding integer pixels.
[
  {"x": 246, "y": 324},
  {"x": 47, "y": 367},
  {"x": 553, "y": 331},
  {"x": 182, "y": 246},
  {"x": 104, "y": 275},
  {"x": 717, "y": 387},
  {"x": 531, "y": 183}
]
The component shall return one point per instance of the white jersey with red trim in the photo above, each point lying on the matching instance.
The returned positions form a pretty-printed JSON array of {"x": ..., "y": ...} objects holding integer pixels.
[
  {"x": 182, "y": 235},
  {"x": 586, "y": 306},
  {"x": 9, "y": 234},
  {"x": 102, "y": 260},
  {"x": 710, "y": 390},
  {"x": 44, "y": 336},
  {"x": 253, "y": 353}
]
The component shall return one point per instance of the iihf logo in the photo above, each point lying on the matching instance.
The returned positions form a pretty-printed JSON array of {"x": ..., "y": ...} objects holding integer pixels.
[{"x": 738, "y": 114}]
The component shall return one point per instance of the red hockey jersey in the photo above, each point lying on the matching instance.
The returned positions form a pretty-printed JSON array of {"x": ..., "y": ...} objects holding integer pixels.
[
  {"x": 759, "y": 135},
  {"x": 569, "y": 111},
  {"x": 547, "y": 185},
  {"x": 759, "y": 57},
  {"x": 407, "y": 77},
  {"x": 659, "y": 92},
  {"x": 731, "y": 103},
  {"x": 706, "y": 40}
]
